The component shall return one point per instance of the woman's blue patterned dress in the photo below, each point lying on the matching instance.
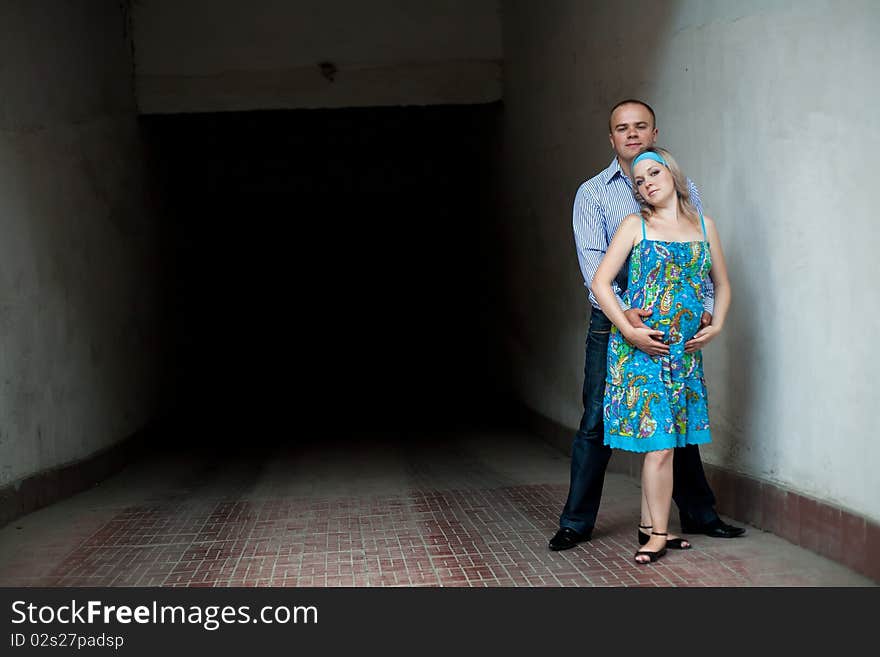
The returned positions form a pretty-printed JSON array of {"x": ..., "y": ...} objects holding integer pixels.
[{"x": 658, "y": 402}]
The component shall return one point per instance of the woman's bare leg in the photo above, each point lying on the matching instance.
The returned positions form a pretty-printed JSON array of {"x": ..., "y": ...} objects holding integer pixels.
[{"x": 657, "y": 496}]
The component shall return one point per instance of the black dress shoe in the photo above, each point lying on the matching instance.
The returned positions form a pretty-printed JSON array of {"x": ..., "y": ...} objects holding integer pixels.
[
  {"x": 716, "y": 529},
  {"x": 567, "y": 538}
]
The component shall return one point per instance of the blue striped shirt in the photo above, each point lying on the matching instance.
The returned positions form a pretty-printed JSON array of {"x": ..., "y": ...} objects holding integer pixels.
[{"x": 600, "y": 205}]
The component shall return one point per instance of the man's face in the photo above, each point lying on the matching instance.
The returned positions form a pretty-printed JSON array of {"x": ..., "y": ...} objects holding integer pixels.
[{"x": 632, "y": 129}]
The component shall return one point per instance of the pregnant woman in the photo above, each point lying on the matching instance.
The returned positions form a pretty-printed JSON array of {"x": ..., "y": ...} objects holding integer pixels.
[{"x": 655, "y": 394}]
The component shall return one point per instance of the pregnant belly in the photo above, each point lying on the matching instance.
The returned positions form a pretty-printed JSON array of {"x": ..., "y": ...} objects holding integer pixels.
[{"x": 679, "y": 322}]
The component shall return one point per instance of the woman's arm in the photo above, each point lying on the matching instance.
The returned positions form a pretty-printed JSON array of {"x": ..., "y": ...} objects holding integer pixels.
[
  {"x": 722, "y": 292},
  {"x": 620, "y": 247}
]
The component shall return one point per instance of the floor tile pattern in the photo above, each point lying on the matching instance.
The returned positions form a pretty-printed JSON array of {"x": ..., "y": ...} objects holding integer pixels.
[{"x": 468, "y": 510}]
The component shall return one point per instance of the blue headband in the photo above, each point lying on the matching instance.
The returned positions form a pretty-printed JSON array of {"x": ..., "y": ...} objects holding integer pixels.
[{"x": 648, "y": 155}]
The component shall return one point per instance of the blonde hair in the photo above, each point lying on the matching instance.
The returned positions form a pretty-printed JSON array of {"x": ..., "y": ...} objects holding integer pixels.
[{"x": 682, "y": 190}]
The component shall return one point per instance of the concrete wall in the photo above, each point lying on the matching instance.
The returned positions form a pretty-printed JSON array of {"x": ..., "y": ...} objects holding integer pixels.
[
  {"x": 768, "y": 106},
  {"x": 78, "y": 293},
  {"x": 217, "y": 55}
]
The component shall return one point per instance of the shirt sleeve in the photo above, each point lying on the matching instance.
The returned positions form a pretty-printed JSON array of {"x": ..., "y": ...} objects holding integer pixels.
[
  {"x": 708, "y": 287},
  {"x": 591, "y": 240}
]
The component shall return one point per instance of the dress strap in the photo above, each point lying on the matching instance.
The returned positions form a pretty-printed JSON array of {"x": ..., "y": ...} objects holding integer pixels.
[
  {"x": 644, "y": 237},
  {"x": 703, "y": 223}
]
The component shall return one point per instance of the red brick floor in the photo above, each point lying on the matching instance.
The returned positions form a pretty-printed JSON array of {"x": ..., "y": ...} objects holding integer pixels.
[{"x": 406, "y": 529}]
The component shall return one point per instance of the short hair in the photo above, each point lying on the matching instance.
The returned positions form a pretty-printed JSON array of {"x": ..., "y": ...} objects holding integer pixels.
[
  {"x": 679, "y": 180},
  {"x": 632, "y": 101}
]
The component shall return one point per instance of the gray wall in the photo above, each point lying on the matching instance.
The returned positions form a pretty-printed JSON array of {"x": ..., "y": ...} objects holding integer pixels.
[
  {"x": 768, "y": 106},
  {"x": 78, "y": 289},
  {"x": 219, "y": 55}
]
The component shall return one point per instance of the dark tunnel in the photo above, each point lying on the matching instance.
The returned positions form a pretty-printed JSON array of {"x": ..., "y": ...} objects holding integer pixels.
[{"x": 333, "y": 268}]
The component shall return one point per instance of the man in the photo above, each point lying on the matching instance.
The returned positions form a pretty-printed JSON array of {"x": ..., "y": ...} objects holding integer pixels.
[{"x": 600, "y": 205}]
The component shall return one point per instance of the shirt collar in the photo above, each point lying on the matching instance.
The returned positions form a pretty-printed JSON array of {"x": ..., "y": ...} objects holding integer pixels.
[{"x": 612, "y": 170}]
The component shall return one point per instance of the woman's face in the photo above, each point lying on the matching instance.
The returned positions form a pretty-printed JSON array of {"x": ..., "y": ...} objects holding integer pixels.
[{"x": 653, "y": 181}]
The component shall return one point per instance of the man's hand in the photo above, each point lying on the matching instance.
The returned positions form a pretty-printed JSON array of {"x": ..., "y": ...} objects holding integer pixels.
[{"x": 634, "y": 317}]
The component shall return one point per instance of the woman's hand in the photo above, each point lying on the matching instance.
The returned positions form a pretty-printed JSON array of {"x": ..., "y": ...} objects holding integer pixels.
[
  {"x": 701, "y": 338},
  {"x": 647, "y": 340},
  {"x": 642, "y": 337}
]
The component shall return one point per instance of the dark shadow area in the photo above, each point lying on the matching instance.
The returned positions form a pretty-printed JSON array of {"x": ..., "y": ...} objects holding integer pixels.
[{"x": 330, "y": 269}]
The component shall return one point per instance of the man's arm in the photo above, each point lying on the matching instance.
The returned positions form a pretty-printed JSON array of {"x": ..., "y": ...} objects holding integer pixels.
[
  {"x": 590, "y": 240},
  {"x": 708, "y": 288}
]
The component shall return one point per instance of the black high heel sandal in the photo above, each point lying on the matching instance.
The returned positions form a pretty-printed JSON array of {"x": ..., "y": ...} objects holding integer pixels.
[
  {"x": 672, "y": 543},
  {"x": 652, "y": 556}
]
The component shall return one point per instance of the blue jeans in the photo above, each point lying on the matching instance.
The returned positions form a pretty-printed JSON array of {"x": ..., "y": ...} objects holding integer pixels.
[{"x": 590, "y": 456}]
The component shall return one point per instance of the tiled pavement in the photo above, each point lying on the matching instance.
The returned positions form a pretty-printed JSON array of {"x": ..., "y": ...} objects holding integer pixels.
[{"x": 473, "y": 508}]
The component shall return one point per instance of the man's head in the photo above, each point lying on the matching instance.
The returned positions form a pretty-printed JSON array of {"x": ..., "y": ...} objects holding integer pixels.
[{"x": 633, "y": 128}]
